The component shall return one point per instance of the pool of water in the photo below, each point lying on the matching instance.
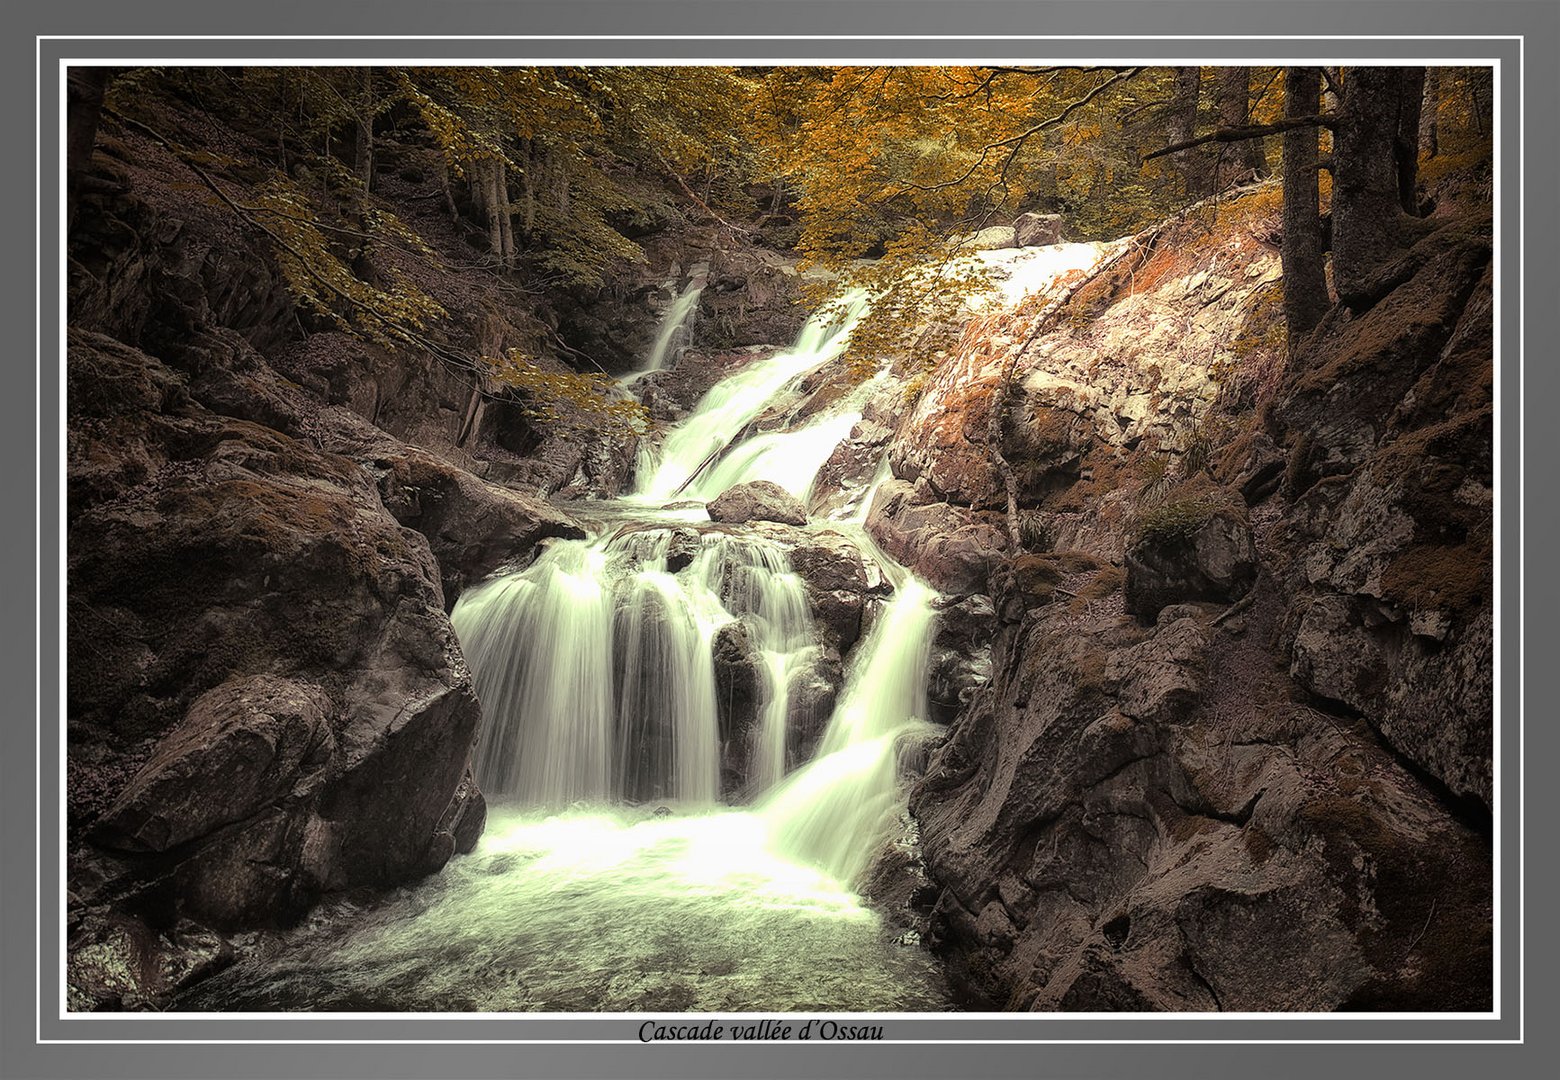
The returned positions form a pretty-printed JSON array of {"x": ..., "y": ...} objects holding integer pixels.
[{"x": 596, "y": 910}]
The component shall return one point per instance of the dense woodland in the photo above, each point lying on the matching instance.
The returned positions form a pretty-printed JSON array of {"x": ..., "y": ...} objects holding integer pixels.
[{"x": 554, "y": 173}]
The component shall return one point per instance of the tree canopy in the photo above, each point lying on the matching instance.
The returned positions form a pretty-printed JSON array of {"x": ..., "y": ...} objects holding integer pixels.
[{"x": 863, "y": 171}]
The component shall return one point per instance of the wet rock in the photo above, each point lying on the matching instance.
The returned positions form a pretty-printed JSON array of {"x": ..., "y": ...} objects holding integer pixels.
[
  {"x": 472, "y": 526},
  {"x": 682, "y": 549},
  {"x": 117, "y": 964},
  {"x": 1189, "y": 550},
  {"x": 738, "y": 683},
  {"x": 838, "y": 582},
  {"x": 813, "y": 689},
  {"x": 757, "y": 500},
  {"x": 961, "y": 654},
  {"x": 952, "y": 548}
]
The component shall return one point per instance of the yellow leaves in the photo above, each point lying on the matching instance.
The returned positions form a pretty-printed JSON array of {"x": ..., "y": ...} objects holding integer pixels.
[
  {"x": 1078, "y": 134},
  {"x": 570, "y": 401},
  {"x": 319, "y": 278}
]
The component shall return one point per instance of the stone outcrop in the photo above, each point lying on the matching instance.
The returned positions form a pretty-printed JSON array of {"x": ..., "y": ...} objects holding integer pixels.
[
  {"x": 1234, "y": 753},
  {"x": 1189, "y": 550},
  {"x": 952, "y": 547},
  {"x": 275, "y": 705},
  {"x": 266, "y": 702},
  {"x": 1037, "y": 230},
  {"x": 757, "y": 500}
]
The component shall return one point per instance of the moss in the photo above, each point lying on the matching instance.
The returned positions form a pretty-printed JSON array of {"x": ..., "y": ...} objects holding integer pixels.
[
  {"x": 1104, "y": 583},
  {"x": 1428, "y": 576},
  {"x": 1173, "y": 521},
  {"x": 1090, "y": 668},
  {"x": 1259, "y": 845}
]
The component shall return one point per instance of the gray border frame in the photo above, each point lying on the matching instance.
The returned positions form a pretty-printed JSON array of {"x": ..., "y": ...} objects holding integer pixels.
[{"x": 646, "y": 30}]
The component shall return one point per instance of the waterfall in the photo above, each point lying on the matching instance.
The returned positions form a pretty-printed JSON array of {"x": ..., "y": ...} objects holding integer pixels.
[
  {"x": 537, "y": 644},
  {"x": 836, "y": 811},
  {"x": 595, "y": 671},
  {"x": 675, "y": 330},
  {"x": 596, "y": 668},
  {"x": 735, "y": 402}
]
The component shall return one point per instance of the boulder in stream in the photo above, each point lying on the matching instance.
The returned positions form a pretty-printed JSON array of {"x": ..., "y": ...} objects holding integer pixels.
[{"x": 757, "y": 500}]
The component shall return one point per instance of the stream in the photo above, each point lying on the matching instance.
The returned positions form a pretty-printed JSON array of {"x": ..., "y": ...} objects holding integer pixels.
[{"x": 636, "y": 856}]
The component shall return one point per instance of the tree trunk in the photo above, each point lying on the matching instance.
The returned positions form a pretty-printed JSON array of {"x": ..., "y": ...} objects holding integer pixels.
[
  {"x": 1405, "y": 147},
  {"x": 1234, "y": 98},
  {"x": 491, "y": 203},
  {"x": 1367, "y": 202},
  {"x": 528, "y": 192},
  {"x": 84, "y": 88},
  {"x": 501, "y": 208},
  {"x": 1430, "y": 106},
  {"x": 1183, "y": 126},
  {"x": 1305, "y": 279},
  {"x": 363, "y": 145}
]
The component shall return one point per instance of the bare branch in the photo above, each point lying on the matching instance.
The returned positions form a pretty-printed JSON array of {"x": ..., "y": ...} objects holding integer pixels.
[
  {"x": 1015, "y": 143},
  {"x": 1227, "y": 135}
]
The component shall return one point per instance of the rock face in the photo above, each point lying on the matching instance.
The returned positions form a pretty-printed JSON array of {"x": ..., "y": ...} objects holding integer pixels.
[
  {"x": 1161, "y": 800},
  {"x": 757, "y": 500},
  {"x": 953, "y": 547},
  {"x": 276, "y": 704},
  {"x": 266, "y": 701}
]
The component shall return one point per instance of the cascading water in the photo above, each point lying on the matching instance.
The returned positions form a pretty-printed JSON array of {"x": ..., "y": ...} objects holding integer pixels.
[
  {"x": 735, "y": 402},
  {"x": 674, "y": 332},
  {"x": 595, "y": 673},
  {"x": 621, "y": 867},
  {"x": 836, "y": 811}
]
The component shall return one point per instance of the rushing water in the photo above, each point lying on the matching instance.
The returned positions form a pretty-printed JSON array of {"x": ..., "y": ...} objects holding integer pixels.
[
  {"x": 674, "y": 331},
  {"x": 594, "y": 666},
  {"x": 596, "y": 910},
  {"x": 668, "y": 470},
  {"x": 639, "y": 856}
]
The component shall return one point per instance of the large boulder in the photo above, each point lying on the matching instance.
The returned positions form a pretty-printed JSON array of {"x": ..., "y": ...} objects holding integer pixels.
[
  {"x": 1189, "y": 550},
  {"x": 1037, "y": 230},
  {"x": 757, "y": 500},
  {"x": 267, "y": 700},
  {"x": 952, "y": 548},
  {"x": 242, "y": 746},
  {"x": 838, "y": 582}
]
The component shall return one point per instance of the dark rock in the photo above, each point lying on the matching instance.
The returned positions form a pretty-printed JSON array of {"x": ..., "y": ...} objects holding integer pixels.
[
  {"x": 1189, "y": 551},
  {"x": 472, "y": 526},
  {"x": 683, "y": 548},
  {"x": 838, "y": 582},
  {"x": 738, "y": 683},
  {"x": 951, "y": 548},
  {"x": 961, "y": 654},
  {"x": 757, "y": 500},
  {"x": 275, "y": 703},
  {"x": 242, "y": 746},
  {"x": 116, "y": 963},
  {"x": 813, "y": 689},
  {"x": 1137, "y": 809}
]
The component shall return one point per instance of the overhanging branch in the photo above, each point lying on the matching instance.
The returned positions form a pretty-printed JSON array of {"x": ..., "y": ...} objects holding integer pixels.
[{"x": 1241, "y": 134}]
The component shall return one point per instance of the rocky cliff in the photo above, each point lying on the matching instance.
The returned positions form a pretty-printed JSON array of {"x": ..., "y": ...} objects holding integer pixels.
[
  {"x": 1234, "y": 752},
  {"x": 268, "y": 521}
]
